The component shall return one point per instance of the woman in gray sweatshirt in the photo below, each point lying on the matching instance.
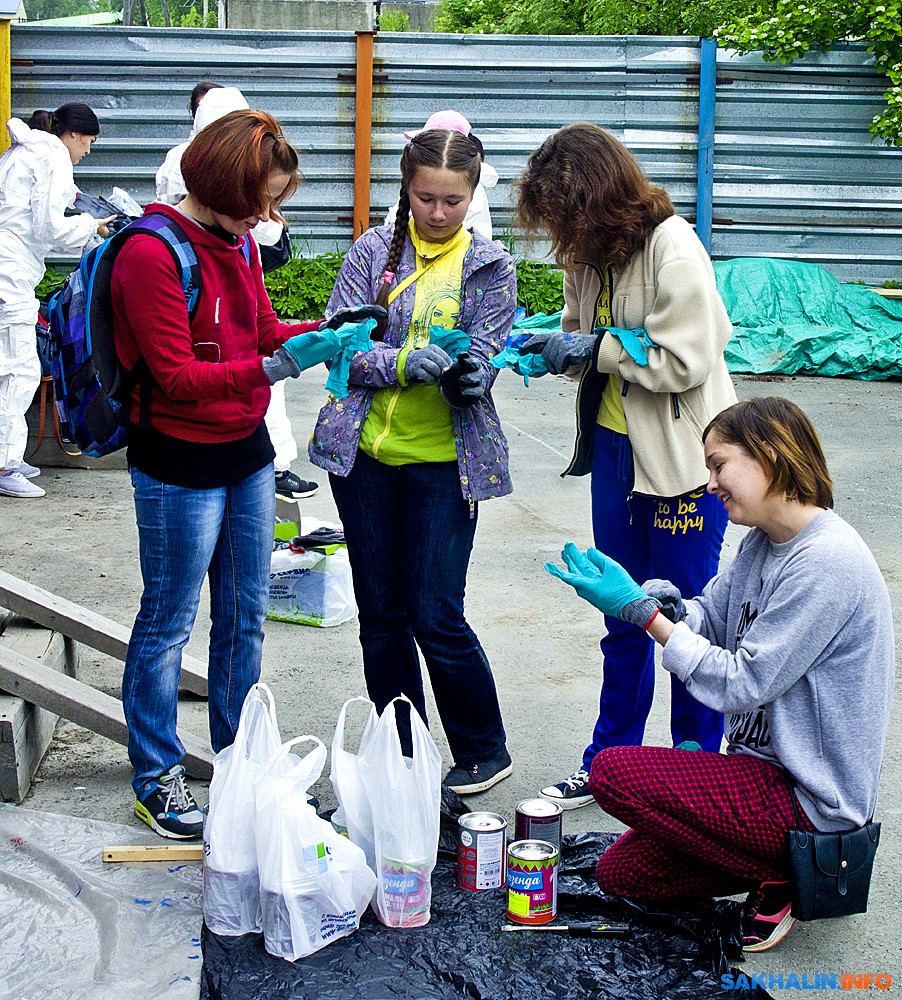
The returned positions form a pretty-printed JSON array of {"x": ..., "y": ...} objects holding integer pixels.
[{"x": 793, "y": 642}]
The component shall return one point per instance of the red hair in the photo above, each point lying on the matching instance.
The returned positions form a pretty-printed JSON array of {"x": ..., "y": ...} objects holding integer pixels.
[{"x": 228, "y": 164}]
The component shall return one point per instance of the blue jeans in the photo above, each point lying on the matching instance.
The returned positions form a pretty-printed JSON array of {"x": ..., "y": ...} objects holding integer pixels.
[
  {"x": 410, "y": 534},
  {"x": 183, "y": 536},
  {"x": 677, "y": 539}
]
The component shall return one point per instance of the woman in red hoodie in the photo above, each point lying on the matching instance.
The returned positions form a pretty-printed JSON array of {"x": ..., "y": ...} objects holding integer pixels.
[{"x": 199, "y": 455}]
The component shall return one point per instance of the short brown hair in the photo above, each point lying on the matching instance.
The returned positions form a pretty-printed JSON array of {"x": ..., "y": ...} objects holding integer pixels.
[
  {"x": 783, "y": 441},
  {"x": 228, "y": 164},
  {"x": 586, "y": 190}
]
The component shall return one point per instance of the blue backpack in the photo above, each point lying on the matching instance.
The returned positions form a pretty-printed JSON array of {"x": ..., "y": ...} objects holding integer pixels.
[{"x": 91, "y": 387}]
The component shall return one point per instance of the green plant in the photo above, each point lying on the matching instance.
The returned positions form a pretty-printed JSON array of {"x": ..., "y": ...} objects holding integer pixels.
[
  {"x": 540, "y": 287},
  {"x": 301, "y": 289},
  {"x": 53, "y": 279},
  {"x": 394, "y": 20}
]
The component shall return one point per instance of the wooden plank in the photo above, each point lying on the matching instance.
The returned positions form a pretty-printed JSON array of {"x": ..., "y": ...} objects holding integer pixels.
[
  {"x": 889, "y": 293},
  {"x": 84, "y": 625},
  {"x": 86, "y": 706},
  {"x": 159, "y": 852},
  {"x": 26, "y": 730}
]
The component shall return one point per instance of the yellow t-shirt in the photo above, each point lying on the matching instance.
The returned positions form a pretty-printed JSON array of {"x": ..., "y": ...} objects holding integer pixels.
[
  {"x": 412, "y": 423},
  {"x": 610, "y": 411}
]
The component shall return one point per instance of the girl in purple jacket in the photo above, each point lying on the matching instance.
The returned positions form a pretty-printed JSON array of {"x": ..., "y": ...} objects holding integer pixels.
[{"x": 417, "y": 443}]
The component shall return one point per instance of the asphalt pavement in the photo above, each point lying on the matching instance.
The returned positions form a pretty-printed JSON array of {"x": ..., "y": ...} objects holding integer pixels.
[{"x": 542, "y": 641}]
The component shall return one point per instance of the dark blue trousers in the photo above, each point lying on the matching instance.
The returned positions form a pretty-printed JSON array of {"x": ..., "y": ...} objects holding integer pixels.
[
  {"x": 410, "y": 534},
  {"x": 677, "y": 539}
]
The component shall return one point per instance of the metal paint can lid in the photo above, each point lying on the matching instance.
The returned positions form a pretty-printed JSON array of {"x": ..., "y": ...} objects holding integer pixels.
[
  {"x": 539, "y": 808},
  {"x": 484, "y": 822},
  {"x": 532, "y": 850}
]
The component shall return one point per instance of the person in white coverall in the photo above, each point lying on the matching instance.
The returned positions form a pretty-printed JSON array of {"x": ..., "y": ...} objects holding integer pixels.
[
  {"x": 36, "y": 187},
  {"x": 478, "y": 217},
  {"x": 213, "y": 104}
]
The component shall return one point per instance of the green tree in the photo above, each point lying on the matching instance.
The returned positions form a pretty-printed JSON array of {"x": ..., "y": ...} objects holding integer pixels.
[
  {"x": 42, "y": 10},
  {"x": 782, "y": 30},
  {"x": 790, "y": 28}
]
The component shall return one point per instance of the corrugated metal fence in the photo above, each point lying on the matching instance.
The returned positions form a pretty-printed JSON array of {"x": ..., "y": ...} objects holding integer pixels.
[{"x": 796, "y": 173}]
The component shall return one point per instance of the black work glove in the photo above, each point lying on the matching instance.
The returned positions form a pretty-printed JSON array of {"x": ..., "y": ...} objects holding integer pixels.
[
  {"x": 353, "y": 314},
  {"x": 462, "y": 383}
]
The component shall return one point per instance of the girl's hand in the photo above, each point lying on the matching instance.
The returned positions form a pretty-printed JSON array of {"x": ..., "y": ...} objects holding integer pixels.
[
  {"x": 462, "y": 383},
  {"x": 353, "y": 314},
  {"x": 426, "y": 364},
  {"x": 604, "y": 583},
  {"x": 103, "y": 226},
  {"x": 561, "y": 351}
]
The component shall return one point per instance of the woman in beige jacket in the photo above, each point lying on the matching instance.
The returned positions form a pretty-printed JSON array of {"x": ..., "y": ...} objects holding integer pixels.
[{"x": 644, "y": 329}]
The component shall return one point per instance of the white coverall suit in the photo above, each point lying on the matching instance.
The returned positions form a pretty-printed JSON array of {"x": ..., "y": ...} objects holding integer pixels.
[
  {"x": 36, "y": 186},
  {"x": 171, "y": 190}
]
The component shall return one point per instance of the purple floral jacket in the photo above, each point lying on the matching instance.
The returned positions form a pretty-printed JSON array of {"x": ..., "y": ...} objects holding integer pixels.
[{"x": 488, "y": 301}]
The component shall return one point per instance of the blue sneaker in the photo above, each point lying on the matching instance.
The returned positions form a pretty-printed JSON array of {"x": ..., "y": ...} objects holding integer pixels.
[{"x": 168, "y": 807}]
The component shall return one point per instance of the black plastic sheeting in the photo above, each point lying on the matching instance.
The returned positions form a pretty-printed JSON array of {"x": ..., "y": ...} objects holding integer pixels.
[{"x": 675, "y": 952}]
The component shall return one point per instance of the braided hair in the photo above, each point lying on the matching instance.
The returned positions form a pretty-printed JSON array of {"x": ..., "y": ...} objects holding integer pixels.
[{"x": 438, "y": 148}]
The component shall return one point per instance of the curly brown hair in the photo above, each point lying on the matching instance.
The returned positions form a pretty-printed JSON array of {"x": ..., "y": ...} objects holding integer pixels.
[{"x": 587, "y": 192}]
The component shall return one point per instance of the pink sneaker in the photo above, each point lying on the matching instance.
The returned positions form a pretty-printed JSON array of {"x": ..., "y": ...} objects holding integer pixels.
[{"x": 768, "y": 916}]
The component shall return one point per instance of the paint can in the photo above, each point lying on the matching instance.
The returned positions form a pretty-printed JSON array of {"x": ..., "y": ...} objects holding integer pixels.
[
  {"x": 532, "y": 881},
  {"x": 481, "y": 840},
  {"x": 539, "y": 819}
]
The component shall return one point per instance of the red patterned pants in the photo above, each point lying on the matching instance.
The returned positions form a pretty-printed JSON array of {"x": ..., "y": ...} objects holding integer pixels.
[{"x": 702, "y": 824}]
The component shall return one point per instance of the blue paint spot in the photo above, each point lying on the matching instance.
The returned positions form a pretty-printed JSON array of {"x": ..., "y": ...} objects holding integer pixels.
[
  {"x": 166, "y": 902},
  {"x": 144, "y": 902},
  {"x": 77, "y": 892},
  {"x": 194, "y": 956},
  {"x": 177, "y": 868}
]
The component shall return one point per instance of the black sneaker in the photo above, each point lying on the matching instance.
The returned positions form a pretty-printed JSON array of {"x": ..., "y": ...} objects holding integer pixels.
[
  {"x": 479, "y": 777},
  {"x": 168, "y": 807},
  {"x": 292, "y": 487},
  {"x": 767, "y": 916},
  {"x": 572, "y": 792}
]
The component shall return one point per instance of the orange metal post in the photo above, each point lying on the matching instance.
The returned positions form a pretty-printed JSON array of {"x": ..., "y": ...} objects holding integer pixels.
[{"x": 363, "y": 131}]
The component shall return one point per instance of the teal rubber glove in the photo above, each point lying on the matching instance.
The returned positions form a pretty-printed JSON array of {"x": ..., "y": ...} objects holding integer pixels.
[
  {"x": 309, "y": 349},
  {"x": 452, "y": 342},
  {"x": 354, "y": 337},
  {"x": 605, "y": 584},
  {"x": 635, "y": 342}
]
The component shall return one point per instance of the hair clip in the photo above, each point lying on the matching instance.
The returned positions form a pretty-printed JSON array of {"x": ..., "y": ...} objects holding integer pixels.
[{"x": 388, "y": 277}]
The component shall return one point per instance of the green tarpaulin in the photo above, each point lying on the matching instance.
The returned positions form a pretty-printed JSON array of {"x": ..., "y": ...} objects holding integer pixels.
[{"x": 791, "y": 318}]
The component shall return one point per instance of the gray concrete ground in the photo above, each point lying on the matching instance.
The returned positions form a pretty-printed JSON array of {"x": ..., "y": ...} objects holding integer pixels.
[{"x": 80, "y": 542}]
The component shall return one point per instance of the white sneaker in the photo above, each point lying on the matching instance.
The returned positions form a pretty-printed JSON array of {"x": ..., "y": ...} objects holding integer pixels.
[
  {"x": 14, "y": 484},
  {"x": 28, "y": 471}
]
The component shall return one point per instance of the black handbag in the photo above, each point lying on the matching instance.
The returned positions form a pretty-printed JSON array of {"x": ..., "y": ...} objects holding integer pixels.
[
  {"x": 276, "y": 256},
  {"x": 831, "y": 872}
]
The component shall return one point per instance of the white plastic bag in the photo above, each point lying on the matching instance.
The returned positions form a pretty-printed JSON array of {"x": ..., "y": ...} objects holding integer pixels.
[
  {"x": 314, "y": 883},
  {"x": 353, "y": 813},
  {"x": 405, "y": 799},
  {"x": 231, "y": 885},
  {"x": 311, "y": 588}
]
